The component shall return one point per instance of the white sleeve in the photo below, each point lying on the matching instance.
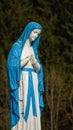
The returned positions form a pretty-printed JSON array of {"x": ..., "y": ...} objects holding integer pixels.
[{"x": 36, "y": 66}]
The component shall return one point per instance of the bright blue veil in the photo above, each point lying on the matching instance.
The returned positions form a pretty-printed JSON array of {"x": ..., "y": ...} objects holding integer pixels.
[{"x": 14, "y": 71}]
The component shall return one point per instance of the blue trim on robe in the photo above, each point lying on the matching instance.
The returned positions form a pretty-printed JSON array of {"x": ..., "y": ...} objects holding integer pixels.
[
  {"x": 14, "y": 72},
  {"x": 30, "y": 94}
]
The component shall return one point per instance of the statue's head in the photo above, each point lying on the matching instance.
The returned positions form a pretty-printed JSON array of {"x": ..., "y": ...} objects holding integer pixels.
[
  {"x": 34, "y": 34},
  {"x": 31, "y": 31}
]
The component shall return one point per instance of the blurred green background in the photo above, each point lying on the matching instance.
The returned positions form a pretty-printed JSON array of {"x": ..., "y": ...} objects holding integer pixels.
[{"x": 55, "y": 53}]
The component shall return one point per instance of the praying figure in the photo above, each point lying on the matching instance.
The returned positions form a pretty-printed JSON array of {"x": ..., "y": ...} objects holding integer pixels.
[{"x": 25, "y": 78}]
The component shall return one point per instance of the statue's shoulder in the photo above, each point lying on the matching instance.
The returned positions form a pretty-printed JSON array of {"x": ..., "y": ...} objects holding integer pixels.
[
  {"x": 16, "y": 47},
  {"x": 15, "y": 50}
]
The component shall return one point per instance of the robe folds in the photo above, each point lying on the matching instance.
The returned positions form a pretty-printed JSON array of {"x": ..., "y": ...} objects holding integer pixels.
[{"x": 14, "y": 71}]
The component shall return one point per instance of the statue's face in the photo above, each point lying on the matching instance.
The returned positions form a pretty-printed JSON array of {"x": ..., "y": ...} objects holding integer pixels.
[{"x": 34, "y": 34}]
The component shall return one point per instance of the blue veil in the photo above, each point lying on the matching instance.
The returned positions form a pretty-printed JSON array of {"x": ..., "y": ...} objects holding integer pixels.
[{"x": 14, "y": 71}]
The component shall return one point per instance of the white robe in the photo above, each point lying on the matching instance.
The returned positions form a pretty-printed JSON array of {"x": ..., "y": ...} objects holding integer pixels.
[{"x": 33, "y": 122}]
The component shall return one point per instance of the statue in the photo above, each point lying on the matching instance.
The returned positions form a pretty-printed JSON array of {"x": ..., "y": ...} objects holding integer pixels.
[{"x": 25, "y": 78}]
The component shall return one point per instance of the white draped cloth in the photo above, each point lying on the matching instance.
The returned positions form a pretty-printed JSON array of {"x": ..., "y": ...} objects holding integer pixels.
[{"x": 33, "y": 122}]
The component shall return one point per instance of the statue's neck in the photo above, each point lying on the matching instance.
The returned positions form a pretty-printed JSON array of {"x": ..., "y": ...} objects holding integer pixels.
[{"x": 28, "y": 43}]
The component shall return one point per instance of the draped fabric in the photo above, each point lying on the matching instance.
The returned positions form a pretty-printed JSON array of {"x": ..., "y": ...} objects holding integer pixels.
[
  {"x": 14, "y": 72},
  {"x": 33, "y": 121}
]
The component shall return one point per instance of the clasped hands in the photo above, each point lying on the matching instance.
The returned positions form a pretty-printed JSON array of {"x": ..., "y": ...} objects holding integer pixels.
[
  {"x": 31, "y": 59},
  {"x": 27, "y": 59}
]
